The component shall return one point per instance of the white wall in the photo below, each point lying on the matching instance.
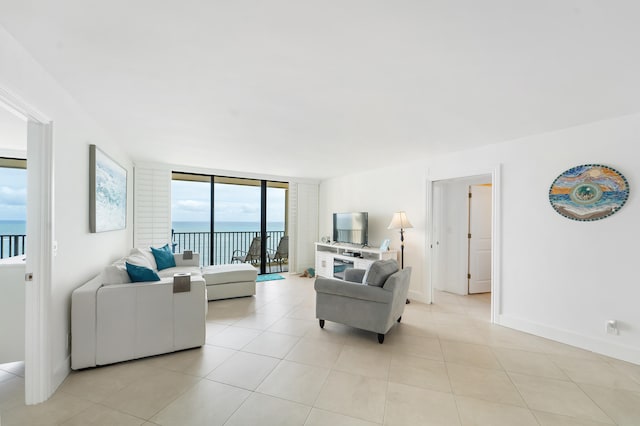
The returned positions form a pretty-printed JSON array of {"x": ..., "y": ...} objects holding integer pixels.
[
  {"x": 560, "y": 278},
  {"x": 381, "y": 193},
  {"x": 81, "y": 255}
]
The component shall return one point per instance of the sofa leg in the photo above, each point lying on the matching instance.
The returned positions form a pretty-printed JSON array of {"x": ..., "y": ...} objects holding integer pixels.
[
  {"x": 321, "y": 323},
  {"x": 400, "y": 318},
  {"x": 380, "y": 338}
]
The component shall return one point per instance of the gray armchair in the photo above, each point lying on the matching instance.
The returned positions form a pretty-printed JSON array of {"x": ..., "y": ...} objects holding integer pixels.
[{"x": 373, "y": 306}]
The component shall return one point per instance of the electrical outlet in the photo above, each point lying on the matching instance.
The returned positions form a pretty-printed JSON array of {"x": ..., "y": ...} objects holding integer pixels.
[{"x": 612, "y": 327}]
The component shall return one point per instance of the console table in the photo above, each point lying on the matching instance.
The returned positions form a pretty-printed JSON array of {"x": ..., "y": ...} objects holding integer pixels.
[{"x": 333, "y": 259}]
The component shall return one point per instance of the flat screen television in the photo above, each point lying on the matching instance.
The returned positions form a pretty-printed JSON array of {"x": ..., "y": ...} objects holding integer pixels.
[{"x": 352, "y": 228}]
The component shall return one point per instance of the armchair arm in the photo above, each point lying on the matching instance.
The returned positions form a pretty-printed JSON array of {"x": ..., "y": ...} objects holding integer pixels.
[
  {"x": 399, "y": 282},
  {"x": 353, "y": 290}
]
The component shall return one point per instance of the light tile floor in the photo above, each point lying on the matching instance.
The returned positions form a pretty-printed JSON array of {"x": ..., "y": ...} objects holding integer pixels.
[{"x": 266, "y": 362}]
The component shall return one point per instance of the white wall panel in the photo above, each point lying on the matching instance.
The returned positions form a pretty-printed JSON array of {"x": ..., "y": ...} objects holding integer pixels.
[
  {"x": 303, "y": 216},
  {"x": 152, "y": 206}
]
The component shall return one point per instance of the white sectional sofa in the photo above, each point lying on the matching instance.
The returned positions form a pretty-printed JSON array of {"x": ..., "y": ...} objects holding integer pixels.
[{"x": 113, "y": 319}]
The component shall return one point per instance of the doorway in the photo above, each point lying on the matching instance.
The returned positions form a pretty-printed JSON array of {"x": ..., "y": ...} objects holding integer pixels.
[
  {"x": 463, "y": 242},
  {"x": 13, "y": 211},
  {"x": 38, "y": 371}
]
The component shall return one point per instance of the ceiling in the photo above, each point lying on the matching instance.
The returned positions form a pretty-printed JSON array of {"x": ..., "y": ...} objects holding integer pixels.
[{"x": 323, "y": 88}]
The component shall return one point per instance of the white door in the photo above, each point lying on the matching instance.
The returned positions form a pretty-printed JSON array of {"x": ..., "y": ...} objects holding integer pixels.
[{"x": 479, "y": 239}]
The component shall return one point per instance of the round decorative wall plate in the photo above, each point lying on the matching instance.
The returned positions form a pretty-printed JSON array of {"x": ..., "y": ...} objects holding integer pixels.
[{"x": 589, "y": 192}]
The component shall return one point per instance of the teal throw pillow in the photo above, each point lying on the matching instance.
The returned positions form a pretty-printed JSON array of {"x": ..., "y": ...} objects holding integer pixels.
[
  {"x": 140, "y": 274},
  {"x": 164, "y": 257}
]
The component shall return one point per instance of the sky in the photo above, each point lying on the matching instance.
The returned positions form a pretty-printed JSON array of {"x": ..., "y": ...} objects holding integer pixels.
[
  {"x": 13, "y": 194},
  {"x": 233, "y": 203}
]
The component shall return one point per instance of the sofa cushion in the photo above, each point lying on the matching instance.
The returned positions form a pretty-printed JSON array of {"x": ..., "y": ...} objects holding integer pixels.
[
  {"x": 141, "y": 273},
  {"x": 229, "y": 273},
  {"x": 164, "y": 257},
  {"x": 169, "y": 272},
  {"x": 380, "y": 270},
  {"x": 139, "y": 258}
]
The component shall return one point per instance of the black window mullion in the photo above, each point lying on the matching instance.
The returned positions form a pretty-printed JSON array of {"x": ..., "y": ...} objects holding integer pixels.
[
  {"x": 211, "y": 227},
  {"x": 263, "y": 226}
]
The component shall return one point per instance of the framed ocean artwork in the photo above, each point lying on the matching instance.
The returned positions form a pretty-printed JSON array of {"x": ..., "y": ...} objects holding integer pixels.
[
  {"x": 108, "y": 192},
  {"x": 589, "y": 192}
]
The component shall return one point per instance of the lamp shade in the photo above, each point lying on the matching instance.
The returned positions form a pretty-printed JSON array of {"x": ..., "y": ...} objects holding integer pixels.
[{"x": 400, "y": 221}]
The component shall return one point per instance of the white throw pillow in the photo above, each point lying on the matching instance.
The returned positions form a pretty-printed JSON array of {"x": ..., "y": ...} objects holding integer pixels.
[
  {"x": 116, "y": 273},
  {"x": 146, "y": 252},
  {"x": 139, "y": 258}
]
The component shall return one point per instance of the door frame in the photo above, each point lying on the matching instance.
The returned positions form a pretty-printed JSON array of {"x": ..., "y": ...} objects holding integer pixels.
[
  {"x": 496, "y": 232},
  {"x": 40, "y": 244}
]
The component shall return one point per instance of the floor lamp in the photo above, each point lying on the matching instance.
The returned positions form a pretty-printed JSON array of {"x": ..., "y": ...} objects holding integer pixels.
[{"x": 400, "y": 221}]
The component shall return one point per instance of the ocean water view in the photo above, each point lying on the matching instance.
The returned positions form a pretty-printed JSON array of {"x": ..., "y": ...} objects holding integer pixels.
[
  {"x": 225, "y": 244},
  {"x": 229, "y": 238},
  {"x": 13, "y": 227},
  {"x": 12, "y": 246}
]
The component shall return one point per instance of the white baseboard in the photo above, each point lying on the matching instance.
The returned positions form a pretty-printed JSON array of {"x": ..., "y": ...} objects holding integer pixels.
[
  {"x": 61, "y": 372},
  {"x": 600, "y": 346}
]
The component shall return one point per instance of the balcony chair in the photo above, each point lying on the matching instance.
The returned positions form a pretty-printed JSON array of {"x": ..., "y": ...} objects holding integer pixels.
[
  {"x": 281, "y": 253},
  {"x": 373, "y": 306},
  {"x": 252, "y": 256},
  {"x": 173, "y": 240}
]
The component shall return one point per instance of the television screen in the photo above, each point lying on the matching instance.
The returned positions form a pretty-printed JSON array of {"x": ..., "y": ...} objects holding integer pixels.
[{"x": 351, "y": 228}]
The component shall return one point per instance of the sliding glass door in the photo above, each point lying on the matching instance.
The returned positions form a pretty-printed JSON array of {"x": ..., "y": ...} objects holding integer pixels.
[
  {"x": 237, "y": 223},
  {"x": 246, "y": 219}
]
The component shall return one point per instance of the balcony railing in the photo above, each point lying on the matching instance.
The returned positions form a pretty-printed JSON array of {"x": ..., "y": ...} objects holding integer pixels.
[
  {"x": 224, "y": 244},
  {"x": 12, "y": 245}
]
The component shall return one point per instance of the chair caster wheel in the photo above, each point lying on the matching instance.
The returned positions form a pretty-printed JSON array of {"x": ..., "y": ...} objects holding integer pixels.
[
  {"x": 380, "y": 338},
  {"x": 399, "y": 319},
  {"x": 321, "y": 323}
]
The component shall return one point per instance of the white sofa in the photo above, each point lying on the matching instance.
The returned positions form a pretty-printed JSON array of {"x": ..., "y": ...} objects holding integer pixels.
[{"x": 115, "y": 321}]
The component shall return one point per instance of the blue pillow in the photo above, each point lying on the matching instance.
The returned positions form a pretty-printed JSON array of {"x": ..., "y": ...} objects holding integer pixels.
[
  {"x": 140, "y": 273},
  {"x": 164, "y": 257}
]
